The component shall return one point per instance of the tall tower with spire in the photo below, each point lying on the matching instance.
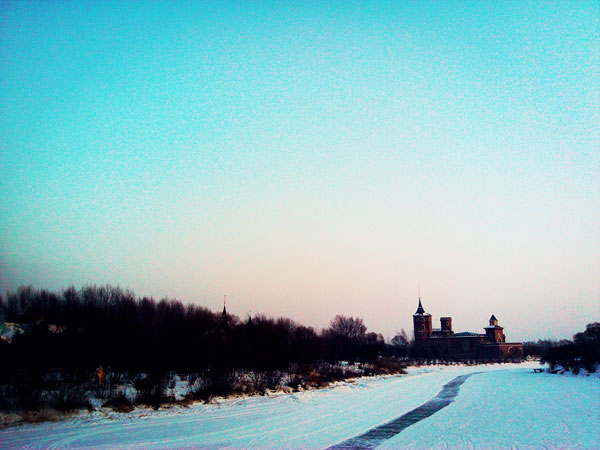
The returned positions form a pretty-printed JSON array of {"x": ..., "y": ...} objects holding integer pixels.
[{"x": 422, "y": 323}]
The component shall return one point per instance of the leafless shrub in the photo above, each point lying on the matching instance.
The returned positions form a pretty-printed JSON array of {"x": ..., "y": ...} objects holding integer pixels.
[
  {"x": 120, "y": 403},
  {"x": 389, "y": 366},
  {"x": 215, "y": 384},
  {"x": 151, "y": 389},
  {"x": 192, "y": 378},
  {"x": 294, "y": 381},
  {"x": 273, "y": 379},
  {"x": 258, "y": 381},
  {"x": 69, "y": 396}
]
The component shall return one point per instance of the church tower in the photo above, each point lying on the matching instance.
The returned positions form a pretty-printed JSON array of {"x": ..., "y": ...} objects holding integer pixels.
[
  {"x": 422, "y": 323},
  {"x": 494, "y": 332}
]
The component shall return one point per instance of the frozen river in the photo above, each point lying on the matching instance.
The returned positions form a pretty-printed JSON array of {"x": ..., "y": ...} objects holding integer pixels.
[{"x": 496, "y": 406}]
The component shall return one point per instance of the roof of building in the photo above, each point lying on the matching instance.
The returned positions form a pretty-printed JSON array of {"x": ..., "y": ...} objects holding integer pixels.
[
  {"x": 464, "y": 334},
  {"x": 493, "y": 317},
  {"x": 420, "y": 310}
]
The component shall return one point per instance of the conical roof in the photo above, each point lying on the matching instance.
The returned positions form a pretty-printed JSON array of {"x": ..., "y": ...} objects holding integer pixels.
[
  {"x": 420, "y": 310},
  {"x": 493, "y": 317}
]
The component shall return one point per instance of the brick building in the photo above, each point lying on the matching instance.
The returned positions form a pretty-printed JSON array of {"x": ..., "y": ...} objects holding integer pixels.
[{"x": 443, "y": 342}]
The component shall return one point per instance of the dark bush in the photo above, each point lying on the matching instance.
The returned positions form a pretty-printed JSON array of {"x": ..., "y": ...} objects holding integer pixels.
[
  {"x": 151, "y": 389},
  {"x": 69, "y": 396},
  {"x": 389, "y": 366},
  {"x": 120, "y": 403},
  {"x": 294, "y": 381}
]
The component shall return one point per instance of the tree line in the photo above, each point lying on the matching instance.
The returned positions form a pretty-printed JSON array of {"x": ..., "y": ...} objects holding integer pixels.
[
  {"x": 75, "y": 332},
  {"x": 581, "y": 352},
  {"x": 82, "y": 328}
]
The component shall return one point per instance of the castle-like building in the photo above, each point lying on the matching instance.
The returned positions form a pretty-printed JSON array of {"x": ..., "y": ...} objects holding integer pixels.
[{"x": 445, "y": 343}]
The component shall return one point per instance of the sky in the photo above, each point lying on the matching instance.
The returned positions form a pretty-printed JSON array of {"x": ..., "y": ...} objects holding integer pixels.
[{"x": 309, "y": 159}]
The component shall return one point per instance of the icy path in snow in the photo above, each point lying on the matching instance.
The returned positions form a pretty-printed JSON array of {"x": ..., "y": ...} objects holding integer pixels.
[
  {"x": 373, "y": 438},
  {"x": 505, "y": 406}
]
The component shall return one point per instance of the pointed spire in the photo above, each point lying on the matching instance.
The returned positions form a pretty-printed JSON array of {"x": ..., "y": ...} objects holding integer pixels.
[
  {"x": 420, "y": 309},
  {"x": 224, "y": 314}
]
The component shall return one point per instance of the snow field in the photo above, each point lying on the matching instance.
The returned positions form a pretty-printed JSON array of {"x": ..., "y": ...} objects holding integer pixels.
[{"x": 513, "y": 409}]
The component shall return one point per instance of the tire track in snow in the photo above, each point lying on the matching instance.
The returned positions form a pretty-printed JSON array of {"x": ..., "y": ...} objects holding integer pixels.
[{"x": 377, "y": 435}]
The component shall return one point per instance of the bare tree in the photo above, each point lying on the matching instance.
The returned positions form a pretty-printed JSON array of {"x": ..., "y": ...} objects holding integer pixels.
[
  {"x": 401, "y": 339},
  {"x": 349, "y": 327}
]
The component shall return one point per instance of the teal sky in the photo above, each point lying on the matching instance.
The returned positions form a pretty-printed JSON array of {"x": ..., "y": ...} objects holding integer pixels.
[{"x": 309, "y": 159}]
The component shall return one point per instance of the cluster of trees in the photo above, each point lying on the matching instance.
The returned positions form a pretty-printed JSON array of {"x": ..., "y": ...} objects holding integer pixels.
[
  {"x": 541, "y": 346},
  {"x": 582, "y": 352},
  {"x": 76, "y": 331},
  {"x": 81, "y": 329}
]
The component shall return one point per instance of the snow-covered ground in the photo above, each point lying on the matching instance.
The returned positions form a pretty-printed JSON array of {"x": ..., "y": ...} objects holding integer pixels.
[{"x": 505, "y": 406}]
